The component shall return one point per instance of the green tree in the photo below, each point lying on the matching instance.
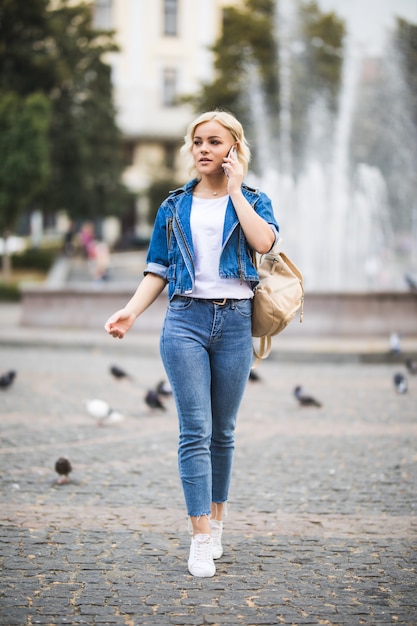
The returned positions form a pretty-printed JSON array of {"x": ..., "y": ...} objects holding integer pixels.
[
  {"x": 25, "y": 66},
  {"x": 25, "y": 163},
  {"x": 55, "y": 49},
  {"x": 86, "y": 143},
  {"x": 249, "y": 37}
]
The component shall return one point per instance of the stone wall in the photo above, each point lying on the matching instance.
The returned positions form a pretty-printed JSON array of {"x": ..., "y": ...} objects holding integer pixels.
[{"x": 325, "y": 314}]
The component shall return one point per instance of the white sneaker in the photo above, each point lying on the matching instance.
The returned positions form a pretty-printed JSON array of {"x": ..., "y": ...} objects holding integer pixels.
[
  {"x": 216, "y": 535},
  {"x": 200, "y": 561}
]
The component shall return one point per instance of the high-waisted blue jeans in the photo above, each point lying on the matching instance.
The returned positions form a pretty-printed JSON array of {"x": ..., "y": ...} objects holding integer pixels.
[{"x": 207, "y": 352}]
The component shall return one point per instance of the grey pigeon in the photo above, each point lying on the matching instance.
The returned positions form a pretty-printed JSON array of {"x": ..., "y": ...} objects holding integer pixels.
[
  {"x": 119, "y": 373},
  {"x": 411, "y": 281},
  {"x": 153, "y": 401},
  {"x": 163, "y": 389},
  {"x": 63, "y": 468},
  {"x": 395, "y": 343},
  {"x": 7, "y": 379},
  {"x": 305, "y": 400},
  {"x": 411, "y": 365},
  {"x": 400, "y": 383}
]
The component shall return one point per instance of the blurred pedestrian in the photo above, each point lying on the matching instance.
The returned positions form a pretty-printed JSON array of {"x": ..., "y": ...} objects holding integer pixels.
[
  {"x": 86, "y": 237},
  {"x": 69, "y": 247},
  {"x": 202, "y": 244},
  {"x": 100, "y": 259}
]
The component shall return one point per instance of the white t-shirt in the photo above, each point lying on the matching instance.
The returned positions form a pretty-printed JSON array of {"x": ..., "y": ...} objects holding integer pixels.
[{"x": 207, "y": 224}]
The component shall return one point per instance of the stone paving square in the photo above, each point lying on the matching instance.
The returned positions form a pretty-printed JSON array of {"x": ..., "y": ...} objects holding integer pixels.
[{"x": 322, "y": 522}]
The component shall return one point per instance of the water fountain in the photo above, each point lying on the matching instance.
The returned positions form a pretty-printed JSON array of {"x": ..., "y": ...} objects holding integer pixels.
[{"x": 335, "y": 220}]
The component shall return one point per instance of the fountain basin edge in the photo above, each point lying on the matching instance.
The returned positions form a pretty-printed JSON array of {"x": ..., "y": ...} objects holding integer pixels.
[{"x": 343, "y": 314}]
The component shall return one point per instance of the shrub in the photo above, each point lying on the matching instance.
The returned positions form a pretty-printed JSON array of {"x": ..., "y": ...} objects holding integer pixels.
[
  {"x": 9, "y": 292},
  {"x": 34, "y": 259}
]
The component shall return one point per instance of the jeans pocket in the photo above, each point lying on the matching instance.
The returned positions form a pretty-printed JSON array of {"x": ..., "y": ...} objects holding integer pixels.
[
  {"x": 244, "y": 307},
  {"x": 179, "y": 303}
]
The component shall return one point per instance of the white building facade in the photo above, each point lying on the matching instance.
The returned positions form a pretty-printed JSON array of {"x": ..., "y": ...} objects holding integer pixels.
[{"x": 164, "y": 55}]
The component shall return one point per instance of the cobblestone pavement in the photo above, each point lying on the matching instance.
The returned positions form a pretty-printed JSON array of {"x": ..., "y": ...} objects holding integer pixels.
[{"x": 322, "y": 522}]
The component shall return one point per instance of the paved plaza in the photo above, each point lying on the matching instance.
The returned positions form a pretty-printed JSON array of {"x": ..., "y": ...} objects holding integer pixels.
[{"x": 322, "y": 519}]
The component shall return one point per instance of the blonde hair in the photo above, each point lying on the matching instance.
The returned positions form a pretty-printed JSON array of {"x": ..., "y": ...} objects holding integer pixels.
[{"x": 228, "y": 121}]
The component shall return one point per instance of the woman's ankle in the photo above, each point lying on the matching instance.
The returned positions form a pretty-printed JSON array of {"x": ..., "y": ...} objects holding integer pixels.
[
  {"x": 218, "y": 510},
  {"x": 200, "y": 525}
]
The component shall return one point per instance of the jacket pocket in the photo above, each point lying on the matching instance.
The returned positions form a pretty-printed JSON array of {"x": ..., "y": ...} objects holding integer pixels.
[{"x": 172, "y": 271}]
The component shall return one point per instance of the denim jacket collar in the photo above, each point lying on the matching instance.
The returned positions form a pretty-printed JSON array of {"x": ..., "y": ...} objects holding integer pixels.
[
  {"x": 171, "y": 251},
  {"x": 185, "y": 193}
]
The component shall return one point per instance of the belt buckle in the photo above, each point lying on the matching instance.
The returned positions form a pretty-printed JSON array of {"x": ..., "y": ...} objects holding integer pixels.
[{"x": 221, "y": 303}]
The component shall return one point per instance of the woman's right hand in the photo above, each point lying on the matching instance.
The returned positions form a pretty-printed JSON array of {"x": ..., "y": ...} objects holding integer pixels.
[{"x": 119, "y": 323}]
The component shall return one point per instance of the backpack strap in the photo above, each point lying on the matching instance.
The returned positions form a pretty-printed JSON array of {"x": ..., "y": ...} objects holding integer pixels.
[
  {"x": 265, "y": 344},
  {"x": 300, "y": 277}
]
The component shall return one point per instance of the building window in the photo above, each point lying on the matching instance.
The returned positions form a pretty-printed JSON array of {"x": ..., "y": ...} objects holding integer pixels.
[
  {"x": 102, "y": 16},
  {"x": 169, "y": 87},
  {"x": 171, "y": 18}
]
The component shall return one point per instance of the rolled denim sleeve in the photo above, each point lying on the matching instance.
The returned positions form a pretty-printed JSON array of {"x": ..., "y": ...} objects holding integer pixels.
[
  {"x": 157, "y": 257},
  {"x": 265, "y": 210},
  {"x": 156, "y": 268},
  {"x": 276, "y": 235}
]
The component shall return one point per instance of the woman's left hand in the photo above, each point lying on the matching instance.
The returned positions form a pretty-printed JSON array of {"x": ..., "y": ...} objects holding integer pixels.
[{"x": 234, "y": 172}]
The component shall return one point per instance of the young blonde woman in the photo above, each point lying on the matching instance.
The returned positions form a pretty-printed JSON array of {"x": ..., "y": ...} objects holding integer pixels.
[{"x": 201, "y": 245}]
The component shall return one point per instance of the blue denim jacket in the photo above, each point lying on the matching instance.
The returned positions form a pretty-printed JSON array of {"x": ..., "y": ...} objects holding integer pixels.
[{"x": 171, "y": 253}]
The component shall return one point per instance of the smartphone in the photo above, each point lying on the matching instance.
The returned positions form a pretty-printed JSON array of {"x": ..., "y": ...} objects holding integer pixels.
[{"x": 232, "y": 153}]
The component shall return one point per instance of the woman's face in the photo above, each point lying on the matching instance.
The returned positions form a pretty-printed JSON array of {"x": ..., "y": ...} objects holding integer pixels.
[{"x": 211, "y": 143}]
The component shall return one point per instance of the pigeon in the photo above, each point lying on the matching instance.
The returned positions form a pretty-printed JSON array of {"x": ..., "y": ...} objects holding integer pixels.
[
  {"x": 153, "y": 400},
  {"x": 411, "y": 281},
  {"x": 63, "y": 468},
  {"x": 395, "y": 343},
  {"x": 305, "y": 400},
  {"x": 400, "y": 383},
  {"x": 7, "y": 379},
  {"x": 254, "y": 377},
  {"x": 411, "y": 365},
  {"x": 118, "y": 373},
  {"x": 102, "y": 411},
  {"x": 163, "y": 389}
]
